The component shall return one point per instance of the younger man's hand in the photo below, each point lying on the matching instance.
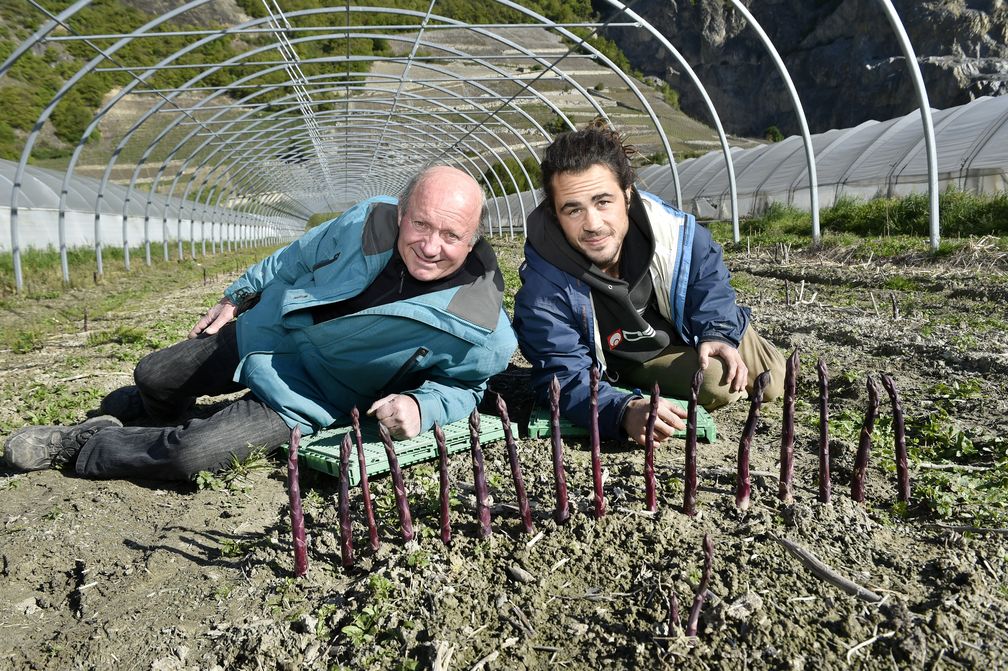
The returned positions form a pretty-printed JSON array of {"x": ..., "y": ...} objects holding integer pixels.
[{"x": 671, "y": 418}]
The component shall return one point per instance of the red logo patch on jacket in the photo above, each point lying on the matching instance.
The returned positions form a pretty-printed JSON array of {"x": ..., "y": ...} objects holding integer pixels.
[{"x": 615, "y": 338}]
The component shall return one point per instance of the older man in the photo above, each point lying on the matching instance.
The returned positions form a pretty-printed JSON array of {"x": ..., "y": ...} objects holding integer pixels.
[
  {"x": 393, "y": 308},
  {"x": 616, "y": 278}
]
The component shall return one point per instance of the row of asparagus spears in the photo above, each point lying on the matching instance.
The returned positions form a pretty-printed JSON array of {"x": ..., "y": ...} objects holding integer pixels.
[{"x": 562, "y": 509}]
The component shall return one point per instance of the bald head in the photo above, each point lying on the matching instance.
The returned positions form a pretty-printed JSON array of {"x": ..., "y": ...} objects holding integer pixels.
[{"x": 440, "y": 213}]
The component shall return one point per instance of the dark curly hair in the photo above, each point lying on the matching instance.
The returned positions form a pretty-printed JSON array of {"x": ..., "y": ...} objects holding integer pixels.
[{"x": 577, "y": 151}]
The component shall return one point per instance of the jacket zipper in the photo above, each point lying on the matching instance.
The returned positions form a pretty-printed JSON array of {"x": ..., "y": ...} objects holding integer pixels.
[{"x": 408, "y": 366}]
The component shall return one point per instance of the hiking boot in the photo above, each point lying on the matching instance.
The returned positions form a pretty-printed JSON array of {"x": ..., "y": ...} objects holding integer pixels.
[
  {"x": 124, "y": 404},
  {"x": 36, "y": 447}
]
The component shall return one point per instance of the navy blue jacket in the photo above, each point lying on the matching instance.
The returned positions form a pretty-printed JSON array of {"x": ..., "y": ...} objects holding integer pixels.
[{"x": 555, "y": 321}]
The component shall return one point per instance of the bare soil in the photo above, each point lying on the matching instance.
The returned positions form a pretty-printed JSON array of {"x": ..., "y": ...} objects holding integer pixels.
[{"x": 140, "y": 575}]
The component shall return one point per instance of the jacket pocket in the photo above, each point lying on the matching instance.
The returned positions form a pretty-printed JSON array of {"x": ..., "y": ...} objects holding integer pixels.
[{"x": 408, "y": 367}]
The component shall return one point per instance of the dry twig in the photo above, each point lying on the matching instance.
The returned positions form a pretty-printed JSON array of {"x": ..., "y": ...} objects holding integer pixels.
[{"x": 824, "y": 572}]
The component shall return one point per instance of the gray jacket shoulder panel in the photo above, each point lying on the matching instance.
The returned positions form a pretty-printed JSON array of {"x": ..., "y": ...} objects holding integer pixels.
[
  {"x": 380, "y": 229},
  {"x": 480, "y": 302}
]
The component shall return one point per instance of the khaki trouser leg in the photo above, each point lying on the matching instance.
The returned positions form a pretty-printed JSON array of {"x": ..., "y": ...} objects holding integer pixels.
[{"x": 674, "y": 368}]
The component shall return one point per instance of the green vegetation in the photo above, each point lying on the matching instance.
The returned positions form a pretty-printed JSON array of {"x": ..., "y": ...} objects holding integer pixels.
[
  {"x": 509, "y": 257},
  {"x": 954, "y": 476},
  {"x": 773, "y": 134},
  {"x": 882, "y": 226},
  {"x": 320, "y": 218},
  {"x": 508, "y": 169},
  {"x": 37, "y": 76},
  {"x": 236, "y": 477},
  {"x": 669, "y": 95},
  {"x": 47, "y": 306}
]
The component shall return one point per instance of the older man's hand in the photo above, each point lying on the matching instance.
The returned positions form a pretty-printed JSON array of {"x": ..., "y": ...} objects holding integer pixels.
[
  {"x": 399, "y": 413},
  {"x": 215, "y": 318}
]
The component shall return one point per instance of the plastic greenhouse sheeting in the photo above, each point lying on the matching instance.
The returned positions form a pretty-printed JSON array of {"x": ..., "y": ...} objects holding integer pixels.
[
  {"x": 38, "y": 211},
  {"x": 876, "y": 158}
]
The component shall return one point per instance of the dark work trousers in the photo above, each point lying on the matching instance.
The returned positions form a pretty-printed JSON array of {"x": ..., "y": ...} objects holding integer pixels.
[{"x": 169, "y": 381}]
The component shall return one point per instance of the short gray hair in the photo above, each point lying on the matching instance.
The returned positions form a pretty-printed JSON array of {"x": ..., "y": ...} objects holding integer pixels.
[{"x": 484, "y": 215}]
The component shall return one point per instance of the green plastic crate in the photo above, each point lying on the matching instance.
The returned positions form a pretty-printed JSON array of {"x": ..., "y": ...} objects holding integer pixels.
[
  {"x": 539, "y": 424},
  {"x": 321, "y": 451}
]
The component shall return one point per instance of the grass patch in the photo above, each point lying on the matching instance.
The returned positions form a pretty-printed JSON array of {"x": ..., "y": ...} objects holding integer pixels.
[
  {"x": 47, "y": 305},
  {"x": 881, "y": 227}
]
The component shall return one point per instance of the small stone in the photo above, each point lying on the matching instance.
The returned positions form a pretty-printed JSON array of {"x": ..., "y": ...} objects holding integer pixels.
[
  {"x": 28, "y": 606},
  {"x": 743, "y": 607},
  {"x": 518, "y": 574}
]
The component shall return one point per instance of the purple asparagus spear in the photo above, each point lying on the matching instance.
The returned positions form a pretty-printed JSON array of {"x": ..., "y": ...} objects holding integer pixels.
[
  {"x": 899, "y": 434},
  {"x": 346, "y": 534},
  {"x": 479, "y": 476},
  {"x": 824, "y": 457},
  {"x": 296, "y": 514},
  {"x": 596, "y": 444},
  {"x": 742, "y": 486},
  {"x": 562, "y": 511},
  {"x": 784, "y": 492},
  {"x": 516, "y": 472},
  {"x": 365, "y": 487},
  {"x": 402, "y": 504},
  {"x": 439, "y": 438},
  {"x": 701, "y": 593},
  {"x": 675, "y": 621},
  {"x": 650, "y": 497},
  {"x": 690, "y": 486},
  {"x": 864, "y": 444}
]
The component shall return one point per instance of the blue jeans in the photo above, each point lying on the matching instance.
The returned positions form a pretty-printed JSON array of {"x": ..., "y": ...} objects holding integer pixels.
[{"x": 169, "y": 381}]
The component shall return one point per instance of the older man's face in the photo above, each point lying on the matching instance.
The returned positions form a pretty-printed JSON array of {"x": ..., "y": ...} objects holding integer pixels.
[{"x": 438, "y": 225}]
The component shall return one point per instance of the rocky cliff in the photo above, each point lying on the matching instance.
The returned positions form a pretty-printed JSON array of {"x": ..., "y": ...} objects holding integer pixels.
[{"x": 842, "y": 55}]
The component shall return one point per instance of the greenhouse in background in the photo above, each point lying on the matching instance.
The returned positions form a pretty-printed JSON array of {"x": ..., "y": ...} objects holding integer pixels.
[{"x": 206, "y": 127}]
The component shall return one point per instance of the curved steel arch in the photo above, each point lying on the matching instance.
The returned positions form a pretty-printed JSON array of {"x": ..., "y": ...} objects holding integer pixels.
[
  {"x": 270, "y": 148},
  {"x": 494, "y": 120},
  {"x": 799, "y": 112},
  {"x": 276, "y": 67},
  {"x": 925, "y": 110}
]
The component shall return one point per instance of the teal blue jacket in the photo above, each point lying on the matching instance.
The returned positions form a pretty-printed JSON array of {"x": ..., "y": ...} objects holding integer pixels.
[{"x": 440, "y": 348}]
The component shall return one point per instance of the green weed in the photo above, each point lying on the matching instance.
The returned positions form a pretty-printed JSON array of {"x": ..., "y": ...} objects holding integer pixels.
[
  {"x": 234, "y": 548},
  {"x": 55, "y": 403},
  {"x": 380, "y": 588},
  {"x": 901, "y": 283},
  {"x": 418, "y": 559},
  {"x": 935, "y": 446},
  {"x": 121, "y": 335},
  {"x": 23, "y": 342},
  {"x": 236, "y": 477},
  {"x": 364, "y": 627}
]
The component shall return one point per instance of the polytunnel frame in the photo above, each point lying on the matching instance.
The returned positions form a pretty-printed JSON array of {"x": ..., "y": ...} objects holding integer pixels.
[
  {"x": 102, "y": 54},
  {"x": 341, "y": 87},
  {"x": 105, "y": 54},
  {"x": 271, "y": 148},
  {"x": 452, "y": 24},
  {"x": 890, "y": 11},
  {"x": 276, "y": 66}
]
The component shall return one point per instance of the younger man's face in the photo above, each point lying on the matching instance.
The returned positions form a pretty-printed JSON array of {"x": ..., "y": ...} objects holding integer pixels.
[{"x": 592, "y": 212}]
